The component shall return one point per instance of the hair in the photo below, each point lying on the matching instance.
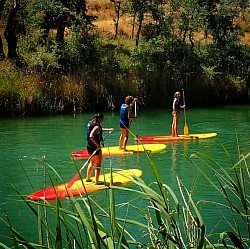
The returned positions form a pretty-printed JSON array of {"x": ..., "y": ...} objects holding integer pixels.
[
  {"x": 129, "y": 100},
  {"x": 96, "y": 118}
]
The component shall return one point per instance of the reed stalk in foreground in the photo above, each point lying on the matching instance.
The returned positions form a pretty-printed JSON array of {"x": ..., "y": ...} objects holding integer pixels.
[{"x": 161, "y": 217}]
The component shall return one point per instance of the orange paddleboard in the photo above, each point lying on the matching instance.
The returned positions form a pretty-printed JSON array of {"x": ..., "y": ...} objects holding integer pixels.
[{"x": 81, "y": 187}]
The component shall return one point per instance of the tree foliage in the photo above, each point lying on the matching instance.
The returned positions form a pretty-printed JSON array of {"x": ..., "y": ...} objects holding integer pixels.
[{"x": 176, "y": 42}]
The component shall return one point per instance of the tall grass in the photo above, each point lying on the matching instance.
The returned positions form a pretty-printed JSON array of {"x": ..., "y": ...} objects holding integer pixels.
[
  {"x": 162, "y": 218},
  {"x": 30, "y": 94}
]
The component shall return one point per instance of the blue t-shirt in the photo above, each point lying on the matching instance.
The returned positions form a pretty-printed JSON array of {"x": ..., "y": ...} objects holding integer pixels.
[{"x": 124, "y": 120}]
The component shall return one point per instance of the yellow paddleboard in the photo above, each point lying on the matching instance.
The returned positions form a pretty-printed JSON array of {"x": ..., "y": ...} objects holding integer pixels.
[
  {"x": 82, "y": 187},
  {"x": 115, "y": 151},
  {"x": 163, "y": 138}
]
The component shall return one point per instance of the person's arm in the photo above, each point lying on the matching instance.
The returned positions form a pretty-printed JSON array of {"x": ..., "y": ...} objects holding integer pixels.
[
  {"x": 129, "y": 113},
  {"x": 182, "y": 105},
  {"x": 174, "y": 106},
  {"x": 129, "y": 109},
  {"x": 108, "y": 129},
  {"x": 133, "y": 102},
  {"x": 92, "y": 136}
]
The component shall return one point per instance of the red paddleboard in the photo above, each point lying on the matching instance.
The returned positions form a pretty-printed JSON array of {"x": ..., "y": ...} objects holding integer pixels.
[{"x": 81, "y": 187}]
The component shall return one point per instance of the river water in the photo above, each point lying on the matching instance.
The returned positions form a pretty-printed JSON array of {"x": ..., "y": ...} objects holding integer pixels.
[{"x": 26, "y": 143}]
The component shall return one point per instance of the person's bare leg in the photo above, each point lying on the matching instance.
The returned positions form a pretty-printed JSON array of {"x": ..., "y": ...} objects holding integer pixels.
[
  {"x": 97, "y": 173},
  {"x": 175, "y": 125},
  {"x": 121, "y": 139},
  {"x": 125, "y": 141},
  {"x": 98, "y": 165},
  {"x": 89, "y": 170}
]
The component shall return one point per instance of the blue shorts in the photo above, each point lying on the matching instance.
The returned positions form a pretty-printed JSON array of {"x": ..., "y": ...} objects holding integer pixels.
[{"x": 124, "y": 124}]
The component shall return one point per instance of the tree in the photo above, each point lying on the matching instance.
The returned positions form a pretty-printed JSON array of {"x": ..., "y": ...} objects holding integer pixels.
[
  {"x": 59, "y": 15},
  {"x": 54, "y": 15},
  {"x": 223, "y": 19},
  {"x": 2, "y": 55},
  {"x": 14, "y": 27},
  {"x": 119, "y": 11},
  {"x": 191, "y": 20},
  {"x": 138, "y": 8}
]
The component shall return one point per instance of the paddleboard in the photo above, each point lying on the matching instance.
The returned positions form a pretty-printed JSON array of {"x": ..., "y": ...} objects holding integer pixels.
[
  {"x": 81, "y": 187},
  {"x": 115, "y": 151},
  {"x": 162, "y": 139}
]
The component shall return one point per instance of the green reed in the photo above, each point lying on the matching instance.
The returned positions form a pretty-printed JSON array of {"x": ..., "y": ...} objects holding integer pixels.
[{"x": 164, "y": 218}]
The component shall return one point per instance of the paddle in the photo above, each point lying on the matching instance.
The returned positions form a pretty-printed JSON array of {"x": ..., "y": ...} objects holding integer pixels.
[
  {"x": 136, "y": 121},
  {"x": 185, "y": 126},
  {"x": 73, "y": 180},
  {"x": 138, "y": 153}
]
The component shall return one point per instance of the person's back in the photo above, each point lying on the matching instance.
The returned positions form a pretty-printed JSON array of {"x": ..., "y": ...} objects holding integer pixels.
[
  {"x": 98, "y": 133},
  {"x": 123, "y": 112},
  {"x": 125, "y": 117}
]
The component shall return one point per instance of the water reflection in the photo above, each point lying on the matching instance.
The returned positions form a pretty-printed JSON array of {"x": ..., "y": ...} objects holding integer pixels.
[
  {"x": 182, "y": 148},
  {"x": 174, "y": 149}
]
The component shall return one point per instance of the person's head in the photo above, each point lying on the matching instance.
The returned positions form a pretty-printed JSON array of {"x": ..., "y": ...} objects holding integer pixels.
[
  {"x": 129, "y": 100},
  {"x": 98, "y": 117},
  {"x": 177, "y": 95}
]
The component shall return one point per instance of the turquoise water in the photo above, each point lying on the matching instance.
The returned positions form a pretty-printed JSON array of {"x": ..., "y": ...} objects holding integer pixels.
[{"x": 25, "y": 144}]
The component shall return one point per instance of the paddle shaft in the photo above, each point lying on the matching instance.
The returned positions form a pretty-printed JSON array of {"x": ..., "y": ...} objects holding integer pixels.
[
  {"x": 136, "y": 119},
  {"x": 73, "y": 180},
  {"x": 184, "y": 104},
  {"x": 185, "y": 127}
]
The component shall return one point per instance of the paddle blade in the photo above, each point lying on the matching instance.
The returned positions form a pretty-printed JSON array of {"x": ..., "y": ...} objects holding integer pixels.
[
  {"x": 73, "y": 180},
  {"x": 186, "y": 130}
]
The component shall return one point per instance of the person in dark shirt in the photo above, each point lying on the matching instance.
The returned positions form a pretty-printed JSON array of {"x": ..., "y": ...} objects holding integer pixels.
[{"x": 94, "y": 138}]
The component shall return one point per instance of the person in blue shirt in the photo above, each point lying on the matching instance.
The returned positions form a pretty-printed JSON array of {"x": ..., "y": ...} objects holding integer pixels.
[
  {"x": 177, "y": 105},
  {"x": 94, "y": 138},
  {"x": 125, "y": 119}
]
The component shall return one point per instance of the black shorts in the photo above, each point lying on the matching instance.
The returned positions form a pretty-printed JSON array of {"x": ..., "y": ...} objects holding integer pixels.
[{"x": 92, "y": 148}]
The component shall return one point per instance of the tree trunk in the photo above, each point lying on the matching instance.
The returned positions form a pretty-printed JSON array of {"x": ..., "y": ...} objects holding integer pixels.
[
  {"x": 117, "y": 10},
  {"x": 10, "y": 34},
  {"x": 141, "y": 17},
  {"x": 2, "y": 55},
  {"x": 133, "y": 26},
  {"x": 61, "y": 29}
]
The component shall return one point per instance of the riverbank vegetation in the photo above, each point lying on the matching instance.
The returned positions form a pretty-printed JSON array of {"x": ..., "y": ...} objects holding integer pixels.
[
  {"x": 161, "y": 217},
  {"x": 60, "y": 56}
]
